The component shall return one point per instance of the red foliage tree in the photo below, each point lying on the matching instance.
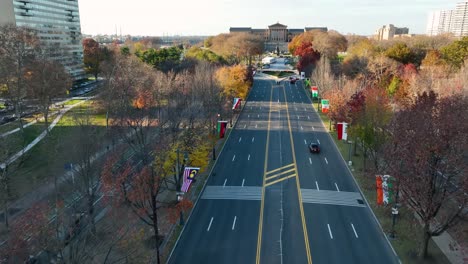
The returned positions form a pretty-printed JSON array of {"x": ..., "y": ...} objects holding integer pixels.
[
  {"x": 427, "y": 155},
  {"x": 30, "y": 233},
  {"x": 307, "y": 55},
  {"x": 138, "y": 189}
]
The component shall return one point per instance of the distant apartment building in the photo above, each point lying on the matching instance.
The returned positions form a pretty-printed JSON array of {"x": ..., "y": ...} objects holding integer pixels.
[
  {"x": 389, "y": 31},
  {"x": 276, "y": 35},
  {"x": 449, "y": 21},
  {"x": 56, "y": 22}
]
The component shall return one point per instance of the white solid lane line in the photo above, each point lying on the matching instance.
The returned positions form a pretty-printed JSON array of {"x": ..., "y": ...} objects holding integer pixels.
[
  {"x": 224, "y": 185},
  {"x": 305, "y": 142},
  {"x": 326, "y": 160},
  {"x": 209, "y": 226},
  {"x": 234, "y": 223},
  {"x": 233, "y": 158},
  {"x": 316, "y": 184},
  {"x": 329, "y": 230},
  {"x": 310, "y": 160},
  {"x": 248, "y": 158},
  {"x": 243, "y": 180},
  {"x": 240, "y": 139},
  {"x": 338, "y": 189},
  {"x": 253, "y": 139},
  {"x": 355, "y": 233}
]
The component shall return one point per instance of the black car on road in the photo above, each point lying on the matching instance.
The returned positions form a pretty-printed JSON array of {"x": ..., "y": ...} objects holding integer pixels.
[{"x": 314, "y": 148}]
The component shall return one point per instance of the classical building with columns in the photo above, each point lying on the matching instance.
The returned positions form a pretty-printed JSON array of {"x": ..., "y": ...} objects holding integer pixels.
[{"x": 276, "y": 35}]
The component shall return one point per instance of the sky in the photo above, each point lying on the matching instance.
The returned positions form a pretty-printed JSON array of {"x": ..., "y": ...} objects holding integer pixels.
[{"x": 212, "y": 17}]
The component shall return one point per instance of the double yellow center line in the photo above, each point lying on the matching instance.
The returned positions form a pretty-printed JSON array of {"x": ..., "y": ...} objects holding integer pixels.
[
  {"x": 290, "y": 173},
  {"x": 273, "y": 176}
]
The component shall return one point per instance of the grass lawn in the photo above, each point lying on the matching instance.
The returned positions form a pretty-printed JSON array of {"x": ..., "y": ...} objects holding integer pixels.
[
  {"x": 279, "y": 74},
  {"x": 73, "y": 101},
  {"x": 49, "y": 156},
  {"x": 408, "y": 230}
]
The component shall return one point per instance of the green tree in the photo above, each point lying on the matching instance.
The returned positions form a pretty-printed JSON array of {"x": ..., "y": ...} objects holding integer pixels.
[
  {"x": 401, "y": 53},
  {"x": 162, "y": 59},
  {"x": 456, "y": 53},
  {"x": 204, "y": 55}
]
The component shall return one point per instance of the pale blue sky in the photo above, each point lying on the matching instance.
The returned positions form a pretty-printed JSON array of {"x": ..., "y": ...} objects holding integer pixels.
[{"x": 211, "y": 17}]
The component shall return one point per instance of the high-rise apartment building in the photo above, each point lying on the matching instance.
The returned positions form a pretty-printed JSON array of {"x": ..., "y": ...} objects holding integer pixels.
[
  {"x": 449, "y": 21},
  {"x": 56, "y": 22},
  {"x": 460, "y": 21}
]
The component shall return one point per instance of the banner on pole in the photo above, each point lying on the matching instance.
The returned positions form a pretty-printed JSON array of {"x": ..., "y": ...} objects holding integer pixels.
[
  {"x": 188, "y": 178},
  {"x": 222, "y": 125},
  {"x": 325, "y": 106},
  {"x": 237, "y": 103},
  {"x": 341, "y": 129},
  {"x": 314, "y": 91},
  {"x": 384, "y": 189}
]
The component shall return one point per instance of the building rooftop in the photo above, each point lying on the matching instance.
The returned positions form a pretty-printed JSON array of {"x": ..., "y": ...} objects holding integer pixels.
[
  {"x": 277, "y": 25},
  {"x": 296, "y": 30},
  {"x": 324, "y": 29},
  {"x": 240, "y": 29}
]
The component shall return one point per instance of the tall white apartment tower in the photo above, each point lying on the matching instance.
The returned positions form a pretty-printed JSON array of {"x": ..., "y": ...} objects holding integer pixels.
[
  {"x": 460, "y": 24},
  {"x": 449, "y": 21},
  {"x": 433, "y": 21},
  {"x": 55, "y": 21}
]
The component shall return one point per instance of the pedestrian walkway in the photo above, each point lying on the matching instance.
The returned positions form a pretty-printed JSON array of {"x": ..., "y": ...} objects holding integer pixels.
[
  {"x": 39, "y": 138},
  {"x": 253, "y": 193}
]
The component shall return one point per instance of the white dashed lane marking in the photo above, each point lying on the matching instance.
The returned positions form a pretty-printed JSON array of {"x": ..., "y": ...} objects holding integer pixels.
[{"x": 209, "y": 226}]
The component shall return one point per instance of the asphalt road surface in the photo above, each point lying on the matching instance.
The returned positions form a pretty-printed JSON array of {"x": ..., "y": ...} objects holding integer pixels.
[{"x": 269, "y": 200}]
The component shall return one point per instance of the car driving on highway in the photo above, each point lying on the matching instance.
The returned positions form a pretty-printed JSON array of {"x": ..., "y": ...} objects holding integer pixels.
[{"x": 314, "y": 148}]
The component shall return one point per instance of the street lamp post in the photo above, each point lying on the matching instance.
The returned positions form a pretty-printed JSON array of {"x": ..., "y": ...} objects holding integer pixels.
[
  {"x": 349, "y": 152},
  {"x": 395, "y": 212}
]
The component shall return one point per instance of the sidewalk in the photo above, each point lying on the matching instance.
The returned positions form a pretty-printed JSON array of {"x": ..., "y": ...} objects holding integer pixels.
[{"x": 39, "y": 138}]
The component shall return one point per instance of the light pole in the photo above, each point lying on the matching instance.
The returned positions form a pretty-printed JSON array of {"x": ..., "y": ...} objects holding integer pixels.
[
  {"x": 395, "y": 212},
  {"x": 349, "y": 152}
]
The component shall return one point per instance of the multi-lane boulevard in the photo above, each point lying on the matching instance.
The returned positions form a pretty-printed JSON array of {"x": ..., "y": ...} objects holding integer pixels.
[{"x": 268, "y": 200}]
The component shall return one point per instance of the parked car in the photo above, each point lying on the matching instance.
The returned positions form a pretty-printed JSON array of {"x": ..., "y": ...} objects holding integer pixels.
[{"x": 314, "y": 148}]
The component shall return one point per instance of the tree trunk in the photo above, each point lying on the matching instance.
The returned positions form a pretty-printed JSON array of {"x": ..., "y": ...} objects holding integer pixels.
[
  {"x": 355, "y": 147},
  {"x": 91, "y": 213},
  {"x": 425, "y": 242},
  {"x": 46, "y": 120},
  {"x": 156, "y": 236},
  {"x": 5, "y": 210}
]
